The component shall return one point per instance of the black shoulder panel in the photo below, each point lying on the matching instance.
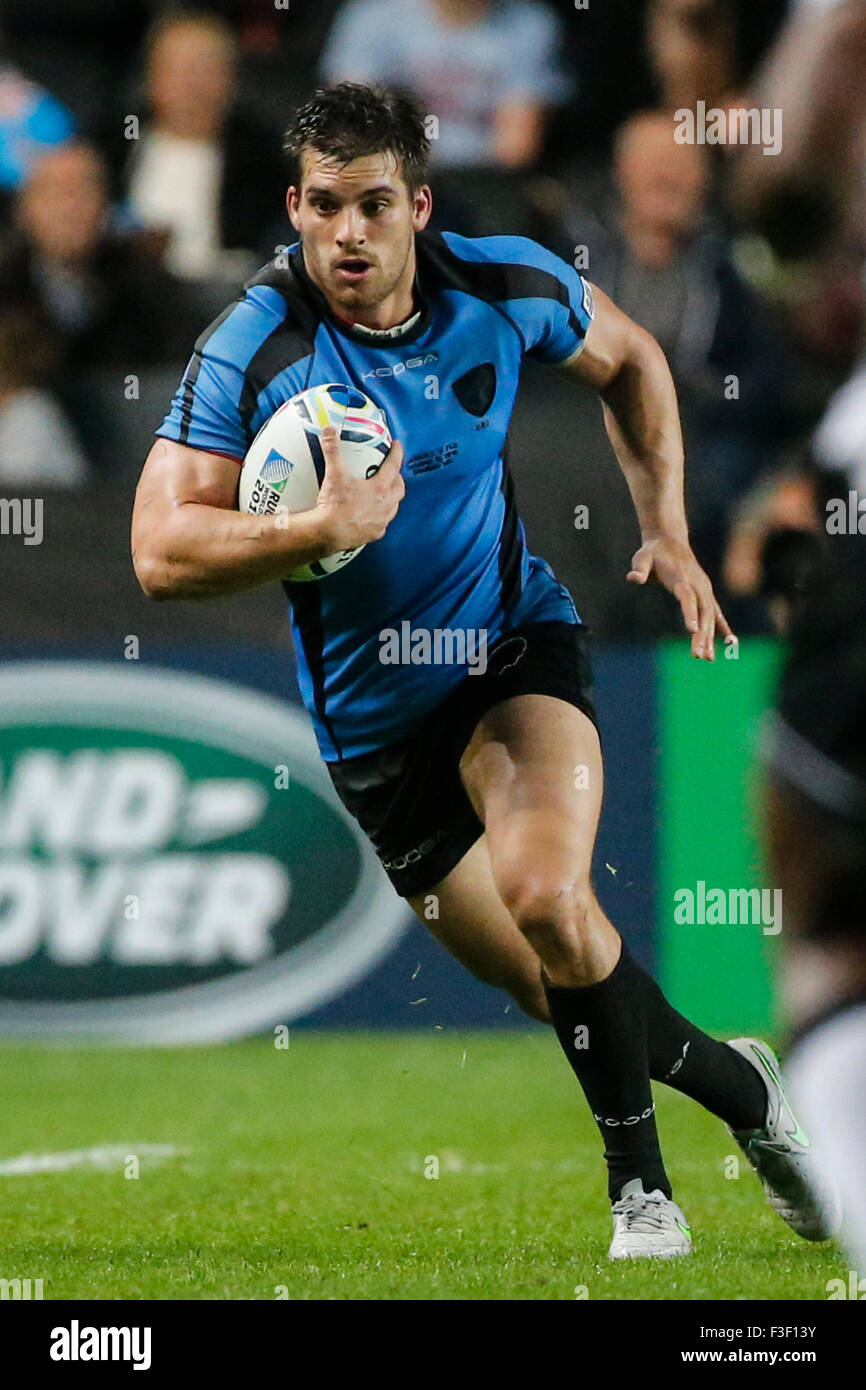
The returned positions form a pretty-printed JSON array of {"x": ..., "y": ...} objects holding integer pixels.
[
  {"x": 492, "y": 281},
  {"x": 290, "y": 341}
]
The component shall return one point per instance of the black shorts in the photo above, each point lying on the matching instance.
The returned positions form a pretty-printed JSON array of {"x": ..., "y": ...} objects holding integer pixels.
[{"x": 408, "y": 796}]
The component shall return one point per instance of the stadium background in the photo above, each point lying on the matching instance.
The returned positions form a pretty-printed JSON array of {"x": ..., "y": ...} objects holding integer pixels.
[{"x": 92, "y": 345}]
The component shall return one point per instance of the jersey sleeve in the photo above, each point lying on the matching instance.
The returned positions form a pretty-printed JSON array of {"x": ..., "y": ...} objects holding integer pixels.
[
  {"x": 555, "y": 320},
  {"x": 211, "y": 409},
  {"x": 547, "y": 301},
  {"x": 204, "y": 412}
]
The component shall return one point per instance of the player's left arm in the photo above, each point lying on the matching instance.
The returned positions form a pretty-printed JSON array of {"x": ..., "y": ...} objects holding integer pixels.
[{"x": 628, "y": 369}]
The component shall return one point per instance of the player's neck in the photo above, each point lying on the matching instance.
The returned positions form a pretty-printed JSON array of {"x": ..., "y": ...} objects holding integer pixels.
[
  {"x": 377, "y": 322},
  {"x": 392, "y": 312}
]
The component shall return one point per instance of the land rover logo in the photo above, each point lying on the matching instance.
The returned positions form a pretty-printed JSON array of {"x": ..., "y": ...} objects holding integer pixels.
[{"x": 161, "y": 880}]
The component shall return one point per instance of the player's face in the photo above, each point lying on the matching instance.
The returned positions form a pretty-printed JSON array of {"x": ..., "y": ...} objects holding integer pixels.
[{"x": 358, "y": 222}]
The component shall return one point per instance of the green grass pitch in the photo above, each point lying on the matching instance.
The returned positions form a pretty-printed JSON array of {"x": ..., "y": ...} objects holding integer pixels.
[{"x": 300, "y": 1173}]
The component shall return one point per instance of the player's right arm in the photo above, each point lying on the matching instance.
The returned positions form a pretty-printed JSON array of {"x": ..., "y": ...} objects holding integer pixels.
[{"x": 190, "y": 541}]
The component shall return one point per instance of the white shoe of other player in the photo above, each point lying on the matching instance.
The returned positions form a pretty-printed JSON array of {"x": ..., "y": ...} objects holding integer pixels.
[
  {"x": 647, "y": 1225},
  {"x": 781, "y": 1154}
]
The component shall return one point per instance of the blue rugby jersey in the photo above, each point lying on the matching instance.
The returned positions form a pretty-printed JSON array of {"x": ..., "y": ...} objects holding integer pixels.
[{"x": 455, "y": 555}]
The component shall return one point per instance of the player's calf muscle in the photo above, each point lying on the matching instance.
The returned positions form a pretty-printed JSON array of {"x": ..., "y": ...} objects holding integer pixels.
[
  {"x": 529, "y": 995},
  {"x": 502, "y": 963}
]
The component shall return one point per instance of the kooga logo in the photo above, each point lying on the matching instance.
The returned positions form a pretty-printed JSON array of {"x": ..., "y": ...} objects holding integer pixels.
[
  {"x": 400, "y": 367},
  {"x": 162, "y": 845}
]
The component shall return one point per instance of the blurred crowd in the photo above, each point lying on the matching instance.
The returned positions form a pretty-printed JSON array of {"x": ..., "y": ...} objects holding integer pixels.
[{"x": 142, "y": 180}]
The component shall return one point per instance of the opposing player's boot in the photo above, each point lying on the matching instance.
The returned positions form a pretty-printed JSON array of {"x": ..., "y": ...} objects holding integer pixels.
[
  {"x": 781, "y": 1154},
  {"x": 647, "y": 1225}
]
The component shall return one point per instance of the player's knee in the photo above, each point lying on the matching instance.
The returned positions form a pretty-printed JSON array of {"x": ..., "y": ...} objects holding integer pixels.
[{"x": 556, "y": 916}]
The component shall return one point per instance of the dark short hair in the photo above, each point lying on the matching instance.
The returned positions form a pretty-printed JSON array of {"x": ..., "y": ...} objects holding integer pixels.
[{"x": 349, "y": 120}]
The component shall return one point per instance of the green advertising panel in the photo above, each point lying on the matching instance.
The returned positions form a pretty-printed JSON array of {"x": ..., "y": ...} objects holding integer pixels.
[
  {"x": 163, "y": 838},
  {"x": 720, "y": 919}
]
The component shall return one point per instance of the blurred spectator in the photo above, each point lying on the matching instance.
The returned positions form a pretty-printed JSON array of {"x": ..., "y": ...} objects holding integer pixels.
[
  {"x": 488, "y": 70},
  {"x": 807, "y": 218},
  {"x": 31, "y": 122},
  {"x": 654, "y": 248},
  {"x": 802, "y": 202},
  {"x": 79, "y": 50},
  {"x": 97, "y": 296},
  {"x": 662, "y": 188},
  {"x": 38, "y": 447},
  {"x": 202, "y": 169},
  {"x": 701, "y": 54},
  {"x": 692, "y": 50},
  {"x": 596, "y": 43},
  {"x": 815, "y": 7},
  {"x": 778, "y": 514}
]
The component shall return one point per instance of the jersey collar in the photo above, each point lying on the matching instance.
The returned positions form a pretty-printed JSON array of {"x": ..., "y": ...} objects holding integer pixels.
[{"x": 395, "y": 337}]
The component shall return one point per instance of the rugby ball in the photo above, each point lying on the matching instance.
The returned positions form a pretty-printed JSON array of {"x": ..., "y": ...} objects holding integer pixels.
[{"x": 285, "y": 467}]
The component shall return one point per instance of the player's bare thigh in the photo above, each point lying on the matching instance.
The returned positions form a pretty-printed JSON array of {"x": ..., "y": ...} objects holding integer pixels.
[
  {"x": 466, "y": 914},
  {"x": 533, "y": 771}
]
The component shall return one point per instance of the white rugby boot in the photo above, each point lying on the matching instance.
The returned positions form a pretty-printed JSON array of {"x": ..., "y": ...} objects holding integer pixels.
[
  {"x": 647, "y": 1225},
  {"x": 781, "y": 1154}
]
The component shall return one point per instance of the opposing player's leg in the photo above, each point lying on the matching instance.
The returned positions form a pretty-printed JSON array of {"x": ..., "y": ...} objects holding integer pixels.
[
  {"x": 827, "y": 1072},
  {"x": 815, "y": 752}
]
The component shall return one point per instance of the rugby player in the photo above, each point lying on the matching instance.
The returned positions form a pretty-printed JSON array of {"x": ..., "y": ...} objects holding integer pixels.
[
  {"x": 463, "y": 780},
  {"x": 816, "y": 807},
  {"x": 816, "y": 833}
]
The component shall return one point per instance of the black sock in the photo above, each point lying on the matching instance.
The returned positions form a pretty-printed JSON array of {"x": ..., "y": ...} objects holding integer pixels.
[
  {"x": 609, "y": 1060},
  {"x": 690, "y": 1061}
]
